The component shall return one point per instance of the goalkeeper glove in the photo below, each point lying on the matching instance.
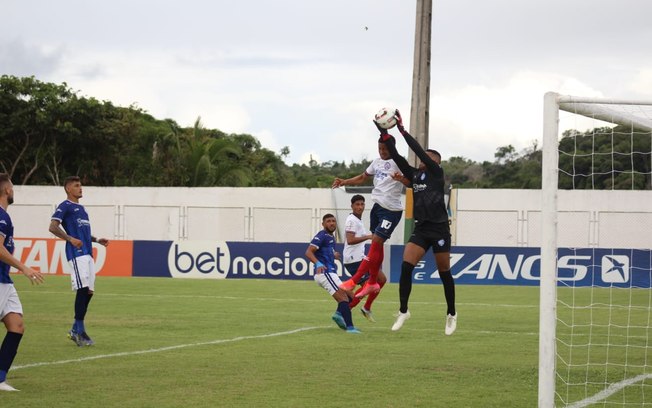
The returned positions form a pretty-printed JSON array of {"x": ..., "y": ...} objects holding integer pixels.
[
  {"x": 399, "y": 121},
  {"x": 383, "y": 133}
]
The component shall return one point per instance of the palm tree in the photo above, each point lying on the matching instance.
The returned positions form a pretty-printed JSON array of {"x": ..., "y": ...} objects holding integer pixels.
[{"x": 213, "y": 161}]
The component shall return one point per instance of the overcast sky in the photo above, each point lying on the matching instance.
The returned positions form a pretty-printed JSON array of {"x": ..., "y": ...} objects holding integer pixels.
[{"x": 311, "y": 74}]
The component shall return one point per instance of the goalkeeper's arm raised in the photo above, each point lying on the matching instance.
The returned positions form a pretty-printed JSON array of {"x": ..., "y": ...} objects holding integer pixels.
[{"x": 412, "y": 143}]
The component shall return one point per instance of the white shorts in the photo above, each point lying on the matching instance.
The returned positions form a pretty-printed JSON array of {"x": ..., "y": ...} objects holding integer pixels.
[
  {"x": 9, "y": 302},
  {"x": 329, "y": 281},
  {"x": 82, "y": 272}
]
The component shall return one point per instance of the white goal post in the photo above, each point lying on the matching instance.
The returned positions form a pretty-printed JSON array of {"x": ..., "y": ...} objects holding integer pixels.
[{"x": 637, "y": 117}]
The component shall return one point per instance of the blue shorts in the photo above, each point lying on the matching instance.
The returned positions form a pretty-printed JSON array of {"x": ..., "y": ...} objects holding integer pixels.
[{"x": 384, "y": 221}]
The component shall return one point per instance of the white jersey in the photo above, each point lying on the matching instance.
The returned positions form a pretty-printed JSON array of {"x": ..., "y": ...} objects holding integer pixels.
[
  {"x": 354, "y": 253},
  {"x": 387, "y": 191}
]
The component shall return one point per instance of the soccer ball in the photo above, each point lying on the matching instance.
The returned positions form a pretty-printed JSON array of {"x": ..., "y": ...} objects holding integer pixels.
[{"x": 385, "y": 118}]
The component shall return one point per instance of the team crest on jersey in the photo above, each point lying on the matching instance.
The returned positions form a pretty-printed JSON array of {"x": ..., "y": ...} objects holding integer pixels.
[
  {"x": 423, "y": 176},
  {"x": 441, "y": 242},
  {"x": 387, "y": 165}
]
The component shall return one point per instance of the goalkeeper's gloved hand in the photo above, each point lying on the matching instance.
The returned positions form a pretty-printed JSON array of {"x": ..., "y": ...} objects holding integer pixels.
[
  {"x": 380, "y": 129},
  {"x": 383, "y": 133},
  {"x": 399, "y": 121}
]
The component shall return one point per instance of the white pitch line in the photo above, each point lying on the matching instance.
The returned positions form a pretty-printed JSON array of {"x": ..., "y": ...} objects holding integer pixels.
[
  {"x": 168, "y": 348},
  {"x": 610, "y": 390},
  {"x": 144, "y": 295}
]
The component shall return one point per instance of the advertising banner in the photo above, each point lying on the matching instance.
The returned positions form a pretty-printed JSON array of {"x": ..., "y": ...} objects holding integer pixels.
[
  {"x": 221, "y": 260},
  {"x": 522, "y": 266},
  {"x": 264, "y": 260},
  {"x": 49, "y": 256}
]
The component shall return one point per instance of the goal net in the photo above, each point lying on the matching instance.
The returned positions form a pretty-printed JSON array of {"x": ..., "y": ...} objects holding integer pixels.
[{"x": 595, "y": 347}]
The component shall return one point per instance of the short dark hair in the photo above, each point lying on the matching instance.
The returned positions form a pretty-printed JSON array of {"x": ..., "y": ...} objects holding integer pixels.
[
  {"x": 4, "y": 178},
  {"x": 329, "y": 215},
  {"x": 70, "y": 180},
  {"x": 357, "y": 197},
  {"x": 435, "y": 152}
]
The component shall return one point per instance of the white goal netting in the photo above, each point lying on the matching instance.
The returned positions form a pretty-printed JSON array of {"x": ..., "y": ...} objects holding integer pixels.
[{"x": 596, "y": 296}]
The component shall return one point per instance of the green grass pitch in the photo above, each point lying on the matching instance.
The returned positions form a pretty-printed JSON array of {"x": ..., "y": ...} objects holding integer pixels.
[{"x": 164, "y": 342}]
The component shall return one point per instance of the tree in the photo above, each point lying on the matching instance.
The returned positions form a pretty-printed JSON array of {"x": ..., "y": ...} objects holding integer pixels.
[
  {"x": 212, "y": 160},
  {"x": 605, "y": 158},
  {"x": 48, "y": 132},
  {"x": 32, "y": 115}
]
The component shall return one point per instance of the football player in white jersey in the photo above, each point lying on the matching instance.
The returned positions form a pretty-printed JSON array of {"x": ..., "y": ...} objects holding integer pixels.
[
  {"x": 385, "y": 215},
  {"x": 79, "y": 252},
  {"x": 353, "y": 254}
]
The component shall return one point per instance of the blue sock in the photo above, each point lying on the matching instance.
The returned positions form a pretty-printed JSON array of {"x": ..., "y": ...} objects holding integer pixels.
[
  {"x": 345, "y": 311},
  {"x": 8, "y": 352},
  {"x": 82, "y": 299},
  {"x": 79, "y": 326}
]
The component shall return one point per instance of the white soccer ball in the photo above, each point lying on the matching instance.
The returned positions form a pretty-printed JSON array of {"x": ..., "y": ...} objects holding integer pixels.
[{"x": 386, "y": 118}]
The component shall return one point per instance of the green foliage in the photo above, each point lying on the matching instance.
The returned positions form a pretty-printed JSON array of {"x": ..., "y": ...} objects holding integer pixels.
[
  {"x": 510, "y": 169},
  {"x": 48, "y": 132},
  {"x": 586, "y": 160}
]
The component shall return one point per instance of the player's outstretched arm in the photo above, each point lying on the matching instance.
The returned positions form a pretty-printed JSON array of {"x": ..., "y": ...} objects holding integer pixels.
[
  {"x": 353, "y": 181},
  {"x": 414, "y": 145}
]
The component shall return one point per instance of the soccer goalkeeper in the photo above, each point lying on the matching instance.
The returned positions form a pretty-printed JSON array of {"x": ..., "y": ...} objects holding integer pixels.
[{"x": 431, "y": 228}]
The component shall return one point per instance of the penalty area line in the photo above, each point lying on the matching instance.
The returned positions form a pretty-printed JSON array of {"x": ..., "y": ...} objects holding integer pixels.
[
  {"x": 610, "y": 390},
  {"x": 168, "y": 348}
]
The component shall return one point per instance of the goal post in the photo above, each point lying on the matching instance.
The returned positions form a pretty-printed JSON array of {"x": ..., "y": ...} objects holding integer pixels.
[
  {"x": 548, "y": 283},
  {"x": 607, "y": 319}
]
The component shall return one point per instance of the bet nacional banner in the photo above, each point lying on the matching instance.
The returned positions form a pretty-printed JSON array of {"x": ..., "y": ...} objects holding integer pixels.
[
  {"x": 221, "y": 260},
  {"x": 256, "y": 260}
]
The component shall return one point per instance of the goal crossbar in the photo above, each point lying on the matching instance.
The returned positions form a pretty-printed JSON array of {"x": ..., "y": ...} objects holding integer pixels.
[{"x": 603, "y": 110}]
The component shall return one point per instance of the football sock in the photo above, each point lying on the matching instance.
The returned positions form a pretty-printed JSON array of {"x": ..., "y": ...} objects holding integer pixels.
[
  {"x": 372, "y": 296},
  {"x": 354, "y": 302},
  {"x": 345, "y": 311},
  {"x": 362, "y": 269},
  {"x": 81, "y": 306},
  {"x": 8, "y": 351},
  {"x": 78, "y": 327},
  {"x": 449, "y": 291},
  {"x": 405, "y": 285},
  {"x": 375, "y": 257}
]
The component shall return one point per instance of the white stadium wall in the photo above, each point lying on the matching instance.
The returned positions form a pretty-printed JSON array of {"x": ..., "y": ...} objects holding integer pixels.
[{"x": 480, "y": 217}]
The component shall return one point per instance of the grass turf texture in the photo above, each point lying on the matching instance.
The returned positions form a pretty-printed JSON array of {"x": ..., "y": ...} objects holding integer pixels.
[{"x": 237, "y": 343}]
